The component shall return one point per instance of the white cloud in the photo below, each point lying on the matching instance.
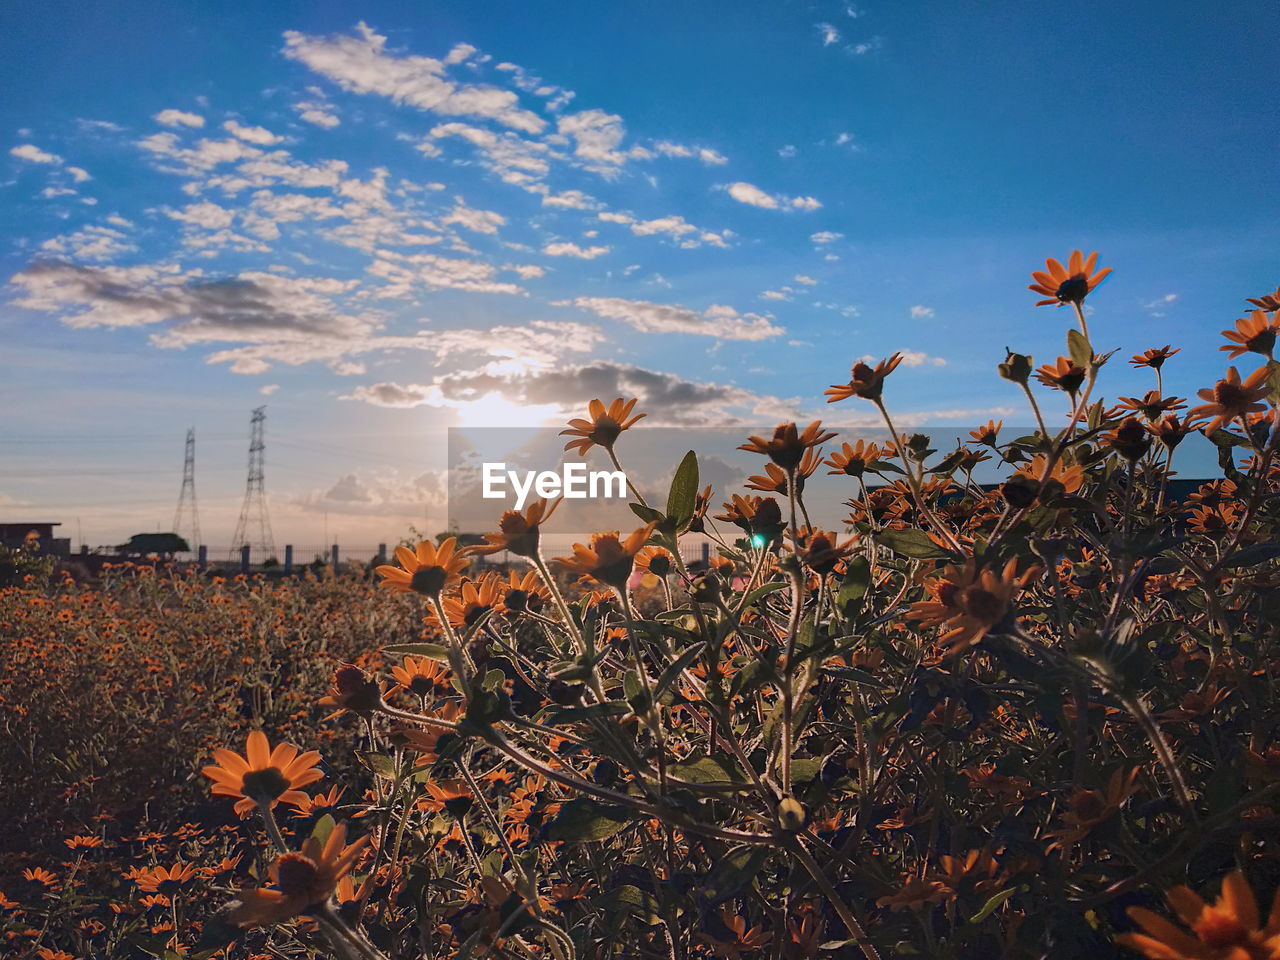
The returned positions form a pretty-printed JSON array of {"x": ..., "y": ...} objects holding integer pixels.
[
  {"x": 858, "y": 49},
  {"x": 479, "y": 221},
  {"x": 753, "y": 196},
  {"x": 210, "y": 216},
  {"x": 787, "y": 151},
  {"x": 268, "y": 389},
  {"x": 403, "y": 272},
  {"x": 570, "y": 200},
  {"x": 1156, "y": 306},
  {"x": 597, "y": 136},
  {"x": 919, "y": 311},
  {"x": 806, "y": 280},
  {"x": 567, "y": 249},
  {"x": 90, "y": 243},
  {"x": 829, "y": 33},
  {"x": 390, "y": 394},
  {"x": 79, "y": 174},
  {"x": 911, "y": 358},
  {"x": 774, "y": 295},
  {"x": 825, "y": 236},
  {"x": 178, "y": 118},
  {"x": 320, "y": 115},
  {"x": 259, "y": 135},
  {"x": 33, "y": 154},
  {"x": 716, "y": 321},
  {"x": 362, "y": 64}
]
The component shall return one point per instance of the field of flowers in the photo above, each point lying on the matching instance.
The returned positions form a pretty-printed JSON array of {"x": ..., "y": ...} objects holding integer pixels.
[{"x": 1023, "y": 720}]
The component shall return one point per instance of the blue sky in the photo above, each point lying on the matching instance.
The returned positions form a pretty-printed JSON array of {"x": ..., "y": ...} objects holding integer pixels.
[{"x": 383, "y": 221}]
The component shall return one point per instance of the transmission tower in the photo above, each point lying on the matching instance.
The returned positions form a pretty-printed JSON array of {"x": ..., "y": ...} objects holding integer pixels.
[
  {"x": 254, "y": 526},
  {"x": 186, "y": 520}
]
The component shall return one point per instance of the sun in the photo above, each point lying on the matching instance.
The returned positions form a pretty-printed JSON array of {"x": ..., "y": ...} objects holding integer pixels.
[{"x": 494, "y": 410}]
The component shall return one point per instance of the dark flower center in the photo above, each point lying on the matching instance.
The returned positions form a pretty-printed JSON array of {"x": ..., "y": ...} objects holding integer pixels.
[
  {"x": 983, "y": 605},
  {"x": 428, "y": 581},
  {"x": 1074, "y": 289},
  {"x": 296, "y": 874},
  {"x": 265, "y": 785}
]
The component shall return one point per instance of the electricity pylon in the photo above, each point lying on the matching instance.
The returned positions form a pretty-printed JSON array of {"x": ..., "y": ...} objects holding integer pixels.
[
  {"x": 253, "y": 529},
  {"x": 186, "y": 519}
]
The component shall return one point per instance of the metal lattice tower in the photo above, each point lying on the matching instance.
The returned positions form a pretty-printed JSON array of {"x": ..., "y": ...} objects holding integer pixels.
[
  {"x": 253, "y": 529},
  {"x": 186, "y": 519}
]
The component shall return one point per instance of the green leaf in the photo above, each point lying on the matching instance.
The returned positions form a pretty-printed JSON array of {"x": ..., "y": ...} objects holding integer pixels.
[
  {"x": 1253, "y": 555},
  {"x": 592, "y": 711},
  {"x": 992, "y": 905},
  {"x": 734, "y": 871},
  {"x": 857, "y": 580},
  {"x": 1079, "y": 349},
  {"x": 684, "y": 490},
  {"x": 630, "y": 899},
  {"x": 710, "y": 771},
  {"x": 432, "y": 651},
  {"x": 760, "y": 592},
  {"x": 379, "y": 763},
  {"x": 911, "y": 543},
  {"x": 584, "y": 820},
  {"x": 320, "y": 832},
  {"x": 647, "y": 514},
  {"x": 676, "y": 667}
]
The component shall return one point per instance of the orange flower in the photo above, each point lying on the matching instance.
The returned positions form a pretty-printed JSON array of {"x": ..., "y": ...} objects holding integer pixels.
[
  {"x": 756, "y": 516},
  {"x": 420, "y": 676},
  {"x": 39, "y": 875},
  {"x": 426, "y": 570},
  {"x": 1231, "y": 398},
  {"x": 864, "y": 381},
  {"x": 604, "y": 426},
  {"x": 518, "y": 532},
  {"x": 1171, "y": 430},
  {"x": 263, "y": 775},
  {"x": 474, "y": 600},
  {"x": 741, "y": 939},
  {"x": 1229, "y": 929},
  {"x": 1130, "y": 439},
  {"x": 775, "y": 478},
  {"x": 1151, "y": 405},
  {"x": 426, "y": 741},
  {"x": 352, "y": 689},
  {"x": 970, "y": 601},
  {"x": 452, "y": 795},
  {"x": 821, "y": 551},
  {"x": 525, "y": 592},
  {"x": 916, "y": 893},
  {"x": 788, "y": 446},
  {"x": 165, "y": 880},
  {"x": 987, "y": 435},
  {"x": 1062, "y": 375},
  {"x": 302, "y": 880},
  {"x": 608, "y": 559},
  {"x": 82, "y": 843},
  {"x": 1154, "y": 357},
  {"x": 1255, "y": 333},
  {"x": 1070, "y": 476},
  {"x": 1070, "y": 284},
  {"x": 853, "y": 460},
  {"x": 1268, "y": 301},
  {"x": 1087, "y": 809}
]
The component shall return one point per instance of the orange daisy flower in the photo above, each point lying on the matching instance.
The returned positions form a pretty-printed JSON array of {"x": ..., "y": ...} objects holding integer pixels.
[
  {"x": 854, "y": 459},
  {"x": 263, "y": 775},
  {"x": 774, "y": 479},
  {"x": 426, "y": 570},
  {"x": 1231, "y": 398},
  {"x": 970, "y": 602},
  {"x": 1229, "y": 928},
  {"x": 420, "y": 676},
  {"x": 608, "y": 559},
  {"x": 604, "y": 426},
  {"x": 788, "y": 445},
  {"x": 1062, "y": 375},
  {"x": 165, "y": 880},
  {"x": 474, "y": 600},
  {"x": 987, "y": 435},
  {"x": 1069, "y": 284},
  {"x": 1154, "y": 357},
  {"x": 864, "y": 381},
  {"x": 1268, "y": 301},
  {"x": 1255, "y": 333},
  {"x": 1069, "y": 475},
  {"x": 518, "y": 532},
  {"x": 302, "y": 880},
  {"x": 525, "y": 592}
]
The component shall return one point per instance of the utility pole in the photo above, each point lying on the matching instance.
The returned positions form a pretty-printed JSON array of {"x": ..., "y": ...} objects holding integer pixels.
[
  {"x": 253, "y": 529},
  {"x": 182, "y": 523}
]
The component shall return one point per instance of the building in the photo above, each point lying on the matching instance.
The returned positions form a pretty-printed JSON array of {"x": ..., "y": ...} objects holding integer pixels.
[{"x": 37, "y": 534}]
